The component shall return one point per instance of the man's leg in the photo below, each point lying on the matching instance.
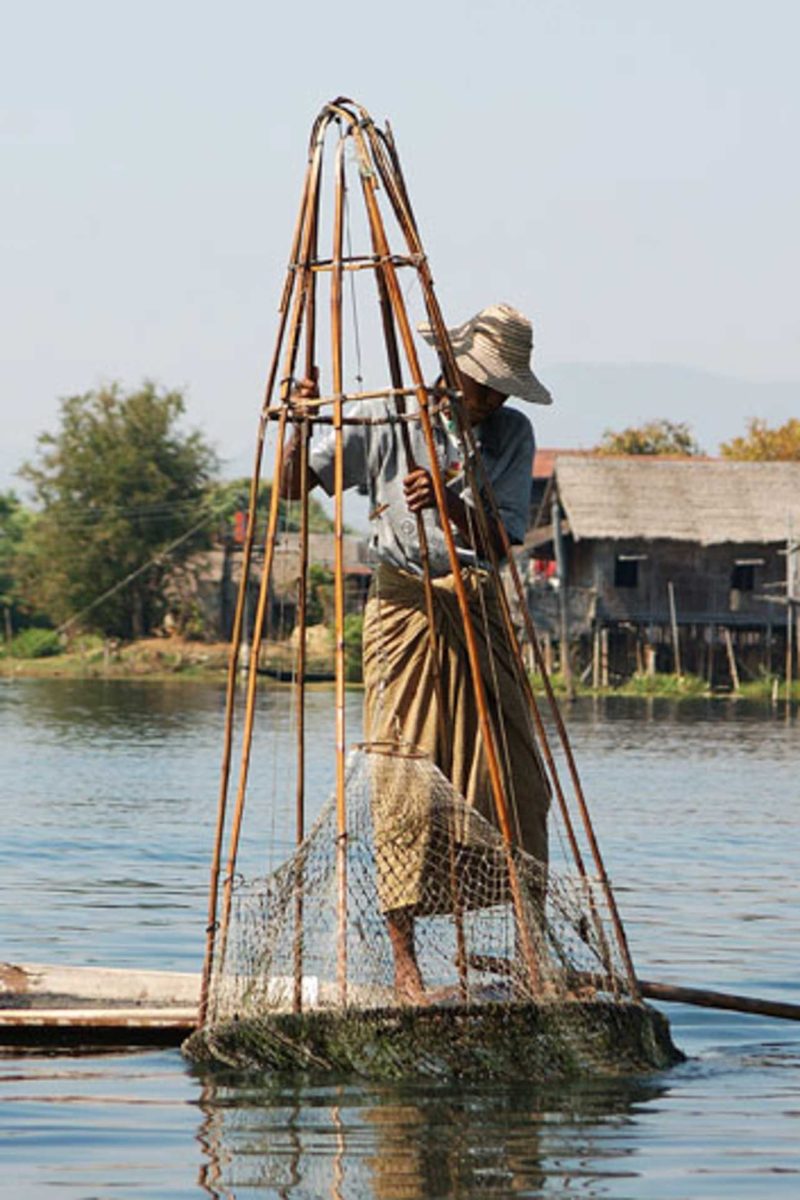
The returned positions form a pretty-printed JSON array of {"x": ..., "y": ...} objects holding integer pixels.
[{"x": 407, "y": 976}]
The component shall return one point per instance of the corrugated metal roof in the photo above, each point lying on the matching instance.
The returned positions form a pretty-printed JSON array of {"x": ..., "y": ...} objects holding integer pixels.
[{"x": 685, "y": 500}]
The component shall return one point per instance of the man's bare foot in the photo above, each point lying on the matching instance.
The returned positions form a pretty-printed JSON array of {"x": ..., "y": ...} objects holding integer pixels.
[{"x": 409, "y": 987}]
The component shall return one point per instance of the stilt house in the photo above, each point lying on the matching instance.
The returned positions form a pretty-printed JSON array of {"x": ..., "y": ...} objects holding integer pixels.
[{"x": 634, "y": 550}]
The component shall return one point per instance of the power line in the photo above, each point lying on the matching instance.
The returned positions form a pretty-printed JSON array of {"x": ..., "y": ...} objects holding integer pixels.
[{"x": 167, "y": 550}]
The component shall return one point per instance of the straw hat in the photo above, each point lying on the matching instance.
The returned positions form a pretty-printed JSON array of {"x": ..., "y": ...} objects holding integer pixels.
[{"x": 495, "y": 347}]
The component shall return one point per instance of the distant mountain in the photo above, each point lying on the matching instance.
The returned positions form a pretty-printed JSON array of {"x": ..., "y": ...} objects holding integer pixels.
[{"x": 592, "y": 397}]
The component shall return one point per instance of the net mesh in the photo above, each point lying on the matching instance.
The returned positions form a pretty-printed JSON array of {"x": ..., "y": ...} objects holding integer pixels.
[{"x": 490, "y": 924}]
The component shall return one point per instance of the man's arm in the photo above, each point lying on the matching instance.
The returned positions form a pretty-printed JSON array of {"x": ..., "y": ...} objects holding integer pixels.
[{"x": 291, "y": 482}]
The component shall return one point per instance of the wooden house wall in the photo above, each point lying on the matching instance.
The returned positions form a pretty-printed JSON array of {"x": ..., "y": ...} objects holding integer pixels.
[{"x": 702, "y": 578}]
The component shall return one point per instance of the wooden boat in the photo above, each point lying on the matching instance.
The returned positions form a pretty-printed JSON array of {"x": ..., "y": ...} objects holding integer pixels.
[
  {"x": 289, "y": 674},
  {"x": 50, "y": 1006}
]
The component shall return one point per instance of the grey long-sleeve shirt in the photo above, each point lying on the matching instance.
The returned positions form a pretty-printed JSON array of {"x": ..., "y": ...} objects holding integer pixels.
[{"x": 374, "y": 458}]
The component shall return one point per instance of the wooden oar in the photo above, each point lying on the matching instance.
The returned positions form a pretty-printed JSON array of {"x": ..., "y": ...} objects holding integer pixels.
[
  {"x": 672, "y": 993},
  {"x": 668, "y": 993}
]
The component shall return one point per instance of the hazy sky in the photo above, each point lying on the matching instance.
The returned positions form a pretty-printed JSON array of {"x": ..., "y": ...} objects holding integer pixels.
[{"x": 625, "y": 171}]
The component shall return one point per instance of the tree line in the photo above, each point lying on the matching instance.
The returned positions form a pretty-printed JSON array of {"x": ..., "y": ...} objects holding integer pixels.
[{"x": 122, "y": 497}]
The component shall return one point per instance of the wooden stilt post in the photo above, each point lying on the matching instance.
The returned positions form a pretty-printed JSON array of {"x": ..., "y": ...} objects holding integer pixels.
[
  {"x": 734, "y": 670},
  {"x": 789, "y": 648},
  {"x": 650, "y": 660},
  {"x": 563, "y": 617},
  {"x": 673, "y": 617}
]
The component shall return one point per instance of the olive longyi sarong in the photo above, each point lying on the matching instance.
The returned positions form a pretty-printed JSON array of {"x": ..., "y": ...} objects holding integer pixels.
[{"x": 401, "y": 706}]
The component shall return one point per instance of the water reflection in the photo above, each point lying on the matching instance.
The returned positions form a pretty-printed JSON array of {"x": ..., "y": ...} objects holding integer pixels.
[
  {"x": 413, "y": 1143},
  {"x": 105, "y": 709},
  {"x": 107, "y": 800}
]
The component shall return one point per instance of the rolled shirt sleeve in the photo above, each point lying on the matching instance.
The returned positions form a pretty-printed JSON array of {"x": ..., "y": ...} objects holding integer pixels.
[
  {"x": 507, "y": 448},
  {"x": 354, "y": 454}
]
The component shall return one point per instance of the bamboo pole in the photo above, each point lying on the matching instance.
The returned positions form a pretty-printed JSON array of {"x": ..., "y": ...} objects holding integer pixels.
[
  {"x": 583, "y": 808},
  {"x": 396, "y": 375},
  {"x": 393, "y": 183},
  {"x": 336, "y": 348},
  {"x": 487, "y": 733},
  {"x": 385, "y": 393},
  {"x": 304, "y": 231},
  {"x": 358, "y": 263},
  {"x": 238, "y": 620},
  {"x": 300, "y": 686},
  {"x": 250, "y": 704},
  {"x": 386, "y": 261},
  {"x": 577, "y": 786},
  {"x": 406, "y": 219},
  {"x": 703, "y": 998},
  {"x": 309, "y": 284},
  {"x": 480, "y": 485}
]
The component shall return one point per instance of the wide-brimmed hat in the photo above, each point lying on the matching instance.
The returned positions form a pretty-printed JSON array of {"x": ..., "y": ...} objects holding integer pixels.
[{"x": 495, "y": 347}]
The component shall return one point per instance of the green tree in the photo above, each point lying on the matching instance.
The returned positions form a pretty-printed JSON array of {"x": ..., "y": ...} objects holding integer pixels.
[
  {"x": 14, "y": 521},
  {"x": 353, "y": 647},
  {"x": 117, "y": 485},
  {"x": 763, "y": 444},
  {"x": 320, "y": 595},
  {"x": 656, "y": 437}
]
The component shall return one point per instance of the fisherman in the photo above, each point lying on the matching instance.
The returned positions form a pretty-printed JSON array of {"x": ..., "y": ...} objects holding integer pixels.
[{"x": 493, "y": 354}]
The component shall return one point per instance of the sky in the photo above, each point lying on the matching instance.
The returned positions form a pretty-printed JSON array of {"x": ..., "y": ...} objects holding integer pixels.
[{"x": 621, "y": 170}]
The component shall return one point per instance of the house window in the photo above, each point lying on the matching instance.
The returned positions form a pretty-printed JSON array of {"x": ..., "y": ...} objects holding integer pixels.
[
  {"x": 626, "y": 571},
  {"x": 743, "y": 575}
]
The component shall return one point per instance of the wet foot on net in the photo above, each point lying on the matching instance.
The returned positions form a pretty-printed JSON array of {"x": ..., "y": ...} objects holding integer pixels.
[{"x": 408, "y": 985}]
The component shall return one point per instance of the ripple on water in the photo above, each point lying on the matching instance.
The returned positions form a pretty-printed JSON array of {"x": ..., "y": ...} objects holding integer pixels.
[{"x": 107, "y": 798}]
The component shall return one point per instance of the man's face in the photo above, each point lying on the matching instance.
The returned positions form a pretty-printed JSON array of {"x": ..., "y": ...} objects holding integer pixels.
[{"x": 480, "y": 399}]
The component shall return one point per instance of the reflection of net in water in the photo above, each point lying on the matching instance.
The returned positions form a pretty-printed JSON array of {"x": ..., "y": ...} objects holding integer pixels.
[{"x": 408, "y": 835}]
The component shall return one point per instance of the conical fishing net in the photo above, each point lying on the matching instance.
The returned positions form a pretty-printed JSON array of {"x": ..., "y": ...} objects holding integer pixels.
[
  {"x": 307, "y": 974},
  {"x": 404, "y": 818}
]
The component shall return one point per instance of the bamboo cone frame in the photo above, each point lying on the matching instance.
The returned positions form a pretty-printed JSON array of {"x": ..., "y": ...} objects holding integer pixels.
[{"x": 378, "y": 164}]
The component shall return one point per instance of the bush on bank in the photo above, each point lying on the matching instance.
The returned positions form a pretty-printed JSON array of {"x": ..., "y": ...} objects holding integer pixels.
[{"x": 35, "y": 643}]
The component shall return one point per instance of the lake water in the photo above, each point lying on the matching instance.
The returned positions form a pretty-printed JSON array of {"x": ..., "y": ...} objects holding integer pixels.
[{"x": 107, "y": 799}]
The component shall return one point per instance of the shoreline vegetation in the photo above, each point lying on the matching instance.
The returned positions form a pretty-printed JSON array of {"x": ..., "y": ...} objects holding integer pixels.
[{"x": 177, "y": 658}]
